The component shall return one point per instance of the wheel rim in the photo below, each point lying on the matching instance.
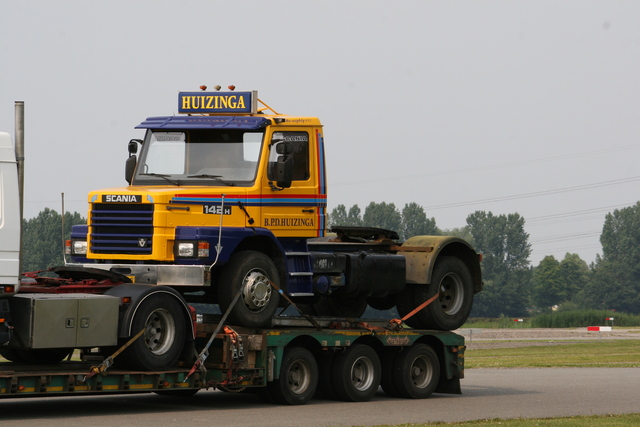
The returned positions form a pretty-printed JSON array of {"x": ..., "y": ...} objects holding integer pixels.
[
  {"x": 421, "y": 372},
  {"x": 451, "y": 293},
  {"x": 362, "y": 373},
  {"x": 299, "y": 377},
  {"x": 159, "y": 331},
  {"x": 256, "y": 290}
]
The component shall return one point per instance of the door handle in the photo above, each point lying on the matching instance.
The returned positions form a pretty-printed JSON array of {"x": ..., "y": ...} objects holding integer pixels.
[{"x": 308, "y": 210}]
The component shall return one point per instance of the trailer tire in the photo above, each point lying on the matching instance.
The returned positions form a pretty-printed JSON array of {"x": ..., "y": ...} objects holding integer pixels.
[
  {"x": 162, "y": 317},
  {"x": 356, "y": 373},
  {"x": 387, "y": 359},
  {"x": 258, "y": 303},
  {"x": 40, "y": 356},
  {"x": 452, "y": 279},
  {"x": 416, "y": 372},
  {"x": 325, "y": 383},
  {"x": 298, "y": 378}
]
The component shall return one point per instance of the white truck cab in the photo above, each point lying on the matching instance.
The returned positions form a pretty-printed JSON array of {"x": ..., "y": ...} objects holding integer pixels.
[{"x": 9, "y": 218}]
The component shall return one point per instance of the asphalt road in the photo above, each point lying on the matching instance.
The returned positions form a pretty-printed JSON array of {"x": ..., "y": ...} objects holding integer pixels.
[{"x": 487, "y": 393}]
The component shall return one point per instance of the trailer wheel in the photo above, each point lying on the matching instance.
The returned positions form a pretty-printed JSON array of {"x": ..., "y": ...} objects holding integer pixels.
[
  {"x": 161, "y": 316},
  {"x": 387, "y": 359},
  {"x": 452, "y": 279},
  {"x": 325, "y": 383},
  {"x": 40, "y": 356},
  {"x": 416, "y": 372},
  {"x": 253, "y": 271},
  {"x": 298, "y": 378},
  {"x": 356, "y": 373}
]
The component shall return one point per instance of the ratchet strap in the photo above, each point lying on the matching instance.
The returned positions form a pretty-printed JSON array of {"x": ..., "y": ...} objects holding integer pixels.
[
  {"x": 106, "y": 363},
  {"x": 396, "y": 323}
]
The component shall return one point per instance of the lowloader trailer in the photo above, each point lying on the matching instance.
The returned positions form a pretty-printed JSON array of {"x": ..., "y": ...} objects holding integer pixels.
[
  {"x": 227, "y": 206},
  {"x": 287, "y": 364}
]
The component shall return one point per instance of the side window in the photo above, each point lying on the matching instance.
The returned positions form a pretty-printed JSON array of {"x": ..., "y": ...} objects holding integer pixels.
[{"x": 300, "y": 152}]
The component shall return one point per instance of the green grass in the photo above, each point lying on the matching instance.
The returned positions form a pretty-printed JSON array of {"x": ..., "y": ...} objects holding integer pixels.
[
  {"x": 622, "y": 420},
  {"x": 616, "y": 353}
]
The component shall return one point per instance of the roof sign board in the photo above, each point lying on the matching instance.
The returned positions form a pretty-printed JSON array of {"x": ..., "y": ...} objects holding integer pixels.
[{"x": 218, "y": 102}]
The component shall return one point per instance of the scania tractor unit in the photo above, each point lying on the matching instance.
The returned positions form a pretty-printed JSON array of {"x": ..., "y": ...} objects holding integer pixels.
[{"x": 226, "y": 204}]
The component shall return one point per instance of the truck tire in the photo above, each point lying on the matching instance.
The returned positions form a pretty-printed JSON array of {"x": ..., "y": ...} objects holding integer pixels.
[
  {"x": 452, "y": 279},
  {"x": 325, "y": 383},
  {"x": 387, "y": 359},
  {"x": 416, "y": 372},
  {"x": 253, "y": 271},
  {"x": 298, "y": 378},
  {"x": 40, "y": 356},
  {"x": 356, "y": 373},
  {"x": 162, "y": 317}
]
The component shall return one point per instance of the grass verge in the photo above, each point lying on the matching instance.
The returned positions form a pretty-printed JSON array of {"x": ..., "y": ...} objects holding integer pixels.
[
  {"x": 618, "y": 353},
  {"x": 622, "y": 420}
]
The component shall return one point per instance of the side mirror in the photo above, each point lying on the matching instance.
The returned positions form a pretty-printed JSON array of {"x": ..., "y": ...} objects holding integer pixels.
[
  {"x": 133, "y": 146},
  {"x": 284, "y": 171},
  {"x": 130, "y": 167}
]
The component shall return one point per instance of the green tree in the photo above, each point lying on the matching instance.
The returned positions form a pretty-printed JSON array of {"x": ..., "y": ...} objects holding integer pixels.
[
  {"x": 547, "y": 283},
  {"x": 416, "y": 223},
  {"x": 338, "y": 216},
  {"x": 615, "y": 282},
  {"x": 382, "y": 215},
  {"x": 575, "y": 276},
  {"x": 353, "y": 218},
  {"x": 506, "y": 249},
  {"x": 42, "y": 246}
]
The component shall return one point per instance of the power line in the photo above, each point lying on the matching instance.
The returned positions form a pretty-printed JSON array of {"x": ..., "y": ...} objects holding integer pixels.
[
  {"x": 490, "y": 167},
  {"x": 536, "y": 194}
]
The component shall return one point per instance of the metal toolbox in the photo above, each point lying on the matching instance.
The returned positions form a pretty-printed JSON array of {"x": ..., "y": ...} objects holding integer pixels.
[{"x": 66, "y": 320}]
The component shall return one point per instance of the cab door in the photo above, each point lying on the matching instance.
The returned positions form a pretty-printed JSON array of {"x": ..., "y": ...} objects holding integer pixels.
[{"x": 297, "y": 208}]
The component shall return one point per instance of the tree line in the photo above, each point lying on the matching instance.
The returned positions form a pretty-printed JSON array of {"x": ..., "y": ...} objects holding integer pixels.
[{"x": 512, "y": 286}]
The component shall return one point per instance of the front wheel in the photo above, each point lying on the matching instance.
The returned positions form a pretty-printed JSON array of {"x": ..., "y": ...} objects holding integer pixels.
[
  {"x": 253, "y": 272},
  {"x": 453, "y": 283},
  {"x": 298, "y": 378}
]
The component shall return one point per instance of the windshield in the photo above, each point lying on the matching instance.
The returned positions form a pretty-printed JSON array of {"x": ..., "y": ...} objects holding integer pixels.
[{"x": 199, "y": 157}]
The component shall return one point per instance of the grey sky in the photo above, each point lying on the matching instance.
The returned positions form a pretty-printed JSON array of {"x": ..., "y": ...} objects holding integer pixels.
[{"x": 504, "y": 106}]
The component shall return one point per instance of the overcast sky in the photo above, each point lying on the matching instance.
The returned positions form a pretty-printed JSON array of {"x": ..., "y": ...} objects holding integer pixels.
[{"x": 503, "y": 106}]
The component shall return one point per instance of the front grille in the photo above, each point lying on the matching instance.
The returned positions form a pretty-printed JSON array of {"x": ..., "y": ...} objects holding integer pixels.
[{"x": 120, "y": 228}]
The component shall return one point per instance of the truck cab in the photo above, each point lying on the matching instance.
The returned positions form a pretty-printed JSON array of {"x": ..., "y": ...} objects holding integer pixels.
[{"x": 227, "y": 196}]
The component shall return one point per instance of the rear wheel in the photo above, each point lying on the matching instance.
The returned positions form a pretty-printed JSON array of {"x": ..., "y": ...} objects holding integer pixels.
[
  {"x": 161, "y": 316},
  {"x": 298, "y": 378},
  {"x": 452, "y": 280},
  {"x": 252, "y": 271},
  {"x": 416, "y": 372},
  {"x": 356, "y": 373}
]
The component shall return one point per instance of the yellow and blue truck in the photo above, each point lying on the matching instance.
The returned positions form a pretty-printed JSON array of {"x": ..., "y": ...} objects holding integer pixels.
[{"x": 227, "y": 204}]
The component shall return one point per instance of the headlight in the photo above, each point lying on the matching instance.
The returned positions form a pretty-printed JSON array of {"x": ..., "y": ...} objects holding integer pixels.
[
  {"x": 192, "y": 249},
  {"x": 75, "y": 247}
]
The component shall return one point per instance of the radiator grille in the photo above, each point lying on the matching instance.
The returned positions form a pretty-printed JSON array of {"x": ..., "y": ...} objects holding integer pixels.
[{"x": 120, "y": 228}]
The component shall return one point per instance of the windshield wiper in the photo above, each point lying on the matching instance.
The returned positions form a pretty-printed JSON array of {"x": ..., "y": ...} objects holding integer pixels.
[
  {"x": 215, "y": 177},
  {"x": 165, "y": 177}
]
